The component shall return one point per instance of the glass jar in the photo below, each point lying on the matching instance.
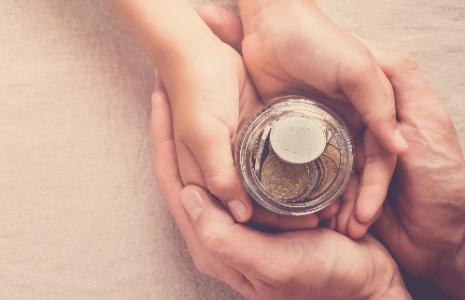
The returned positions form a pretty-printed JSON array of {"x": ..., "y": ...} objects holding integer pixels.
[{"x": 295, "y": 156}]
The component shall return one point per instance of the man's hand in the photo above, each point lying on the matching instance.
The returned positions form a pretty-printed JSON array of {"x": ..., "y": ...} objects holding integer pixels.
[
  {"x": 423, "y": 221},
  {"x": 306, "y": 264},
  {"x": 291, "y": 46}
]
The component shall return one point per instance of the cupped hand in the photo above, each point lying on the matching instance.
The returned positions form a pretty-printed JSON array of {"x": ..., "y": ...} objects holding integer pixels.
[
  {"x": 306, "y": 264},
  {"x": 204, "y": 135},
  {"x": 292, "y": 48},
  {"x": 423, "y": 221},
  {"x": 209, "y": 94}
]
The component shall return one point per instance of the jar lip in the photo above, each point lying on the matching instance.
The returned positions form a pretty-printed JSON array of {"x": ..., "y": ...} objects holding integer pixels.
[{"x": 295, "y": 105}]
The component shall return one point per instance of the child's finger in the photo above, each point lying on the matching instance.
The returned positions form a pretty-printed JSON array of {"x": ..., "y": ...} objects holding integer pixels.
[
  {"x": 210, "y": 142},
  {"x": 348, "y": 200},
  {"x": 370, "y": 92},
  {"x": 224, "y": 24},
  {"x": 377, "y": 174}
]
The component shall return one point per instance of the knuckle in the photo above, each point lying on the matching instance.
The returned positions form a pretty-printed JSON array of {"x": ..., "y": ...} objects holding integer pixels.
[
  {"x": 385, "y": 113},
  {"x": 166, "y": 183},
  {"x": 213, "y": 240},
  {"x": 201, "y": 265},
  {"x": 443, "y": 114},
  {"x": 405, "y": 61},
  {"x": 278, "y": 277},
  {"x": 212, "y": 243},
  {"x": 358, "y": 69},
  {"x": 203, "y": 129},
  {"x": 218, "y": 185},
  {"x": 194, "y": 128}
]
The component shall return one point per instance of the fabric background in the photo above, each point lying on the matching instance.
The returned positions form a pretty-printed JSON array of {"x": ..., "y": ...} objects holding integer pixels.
[{"x": 81, "y": 216}]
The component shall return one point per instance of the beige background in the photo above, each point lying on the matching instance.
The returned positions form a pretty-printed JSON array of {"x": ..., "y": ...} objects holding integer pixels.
[{"x": 80, "y": 213}]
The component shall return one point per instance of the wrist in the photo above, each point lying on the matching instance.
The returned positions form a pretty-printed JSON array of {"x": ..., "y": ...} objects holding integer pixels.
[
  {"x": 164, "y": 28},
  {"x": 180, "y": 54},
  {"x": 391, "y": 286},
  {"x": 394, "y": 290},
  {"x": 385, "y": 280},
  {"x": 254, "y": 13},
  {"x": 451, "y": 278},
  {"x": 450, "y": 273}
]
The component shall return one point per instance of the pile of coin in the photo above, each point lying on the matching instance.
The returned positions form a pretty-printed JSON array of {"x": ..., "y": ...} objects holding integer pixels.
[{"x": 296, "y": 159}]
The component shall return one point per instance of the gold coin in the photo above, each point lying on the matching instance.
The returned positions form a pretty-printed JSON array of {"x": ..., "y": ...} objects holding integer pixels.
[
  {"x": 333, "y": 152},
  {"x": 255, "y": 152},
  {"x": 331, "y": 173},
  {"x": 282, "y": 179},
  {"x": 322, "y": 172},
  {"x": 260, "y": 147},
  {"x": 329, "y": 134}
]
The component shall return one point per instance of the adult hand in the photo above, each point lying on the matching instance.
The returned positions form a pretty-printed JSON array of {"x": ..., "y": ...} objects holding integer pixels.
[
  {"x": 306, "y": 264},
  {"x": 423, "y": 221},
  {"x": 290, "y": 47}
]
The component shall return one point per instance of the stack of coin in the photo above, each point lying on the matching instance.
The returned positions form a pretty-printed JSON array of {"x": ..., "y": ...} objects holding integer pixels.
[
  {"x": 328, "y": 164},
  {"x": 289, "y": 180}
]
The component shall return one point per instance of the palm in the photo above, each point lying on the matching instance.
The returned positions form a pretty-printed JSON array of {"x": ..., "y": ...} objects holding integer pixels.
[
  {"x": 226, "y": 98},
  {"x": 423, "y": 222},
  {"x": 278, "y": 61},
  {"x": 204, "y": 127}
]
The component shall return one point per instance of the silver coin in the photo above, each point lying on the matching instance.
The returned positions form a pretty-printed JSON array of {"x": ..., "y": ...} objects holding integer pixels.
[{"x": 297, "y": 139}]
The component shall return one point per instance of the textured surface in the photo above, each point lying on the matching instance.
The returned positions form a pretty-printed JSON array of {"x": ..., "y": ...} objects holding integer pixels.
[{"x": 80, "y": 213}]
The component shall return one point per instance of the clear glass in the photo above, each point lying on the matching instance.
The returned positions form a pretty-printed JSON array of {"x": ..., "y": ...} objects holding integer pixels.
[{"x": 291, "y": 188}]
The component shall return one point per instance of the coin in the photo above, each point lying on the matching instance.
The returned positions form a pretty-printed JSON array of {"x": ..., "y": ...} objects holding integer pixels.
[
  {"x": 333, "y": 152},
  {"x": 282, "y": 179},
  {"x": 322, "y": 174},
  {"x": 297, "y": 139},
  {"x": 259, "y": 154},
  {"x": 329, "y": 134},
  {"x": 331, "y": 173}
]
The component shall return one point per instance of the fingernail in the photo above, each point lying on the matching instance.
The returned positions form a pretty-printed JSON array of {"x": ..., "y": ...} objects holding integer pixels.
[
  {"x": 193, "y": 202},
  {"x": 238, "y": 210},
  {"x": 400, "y": 141}
]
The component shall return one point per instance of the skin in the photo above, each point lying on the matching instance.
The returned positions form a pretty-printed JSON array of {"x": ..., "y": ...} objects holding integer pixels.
[
  {"x": 261, "y": 265},
  {"x": 423, "y": 220},
  {"x": 211, "y": 94},
  {"x": 430, "y": 232},
  {"x": 279, "y": 58},
  {"x": 333, "y": 70}
]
